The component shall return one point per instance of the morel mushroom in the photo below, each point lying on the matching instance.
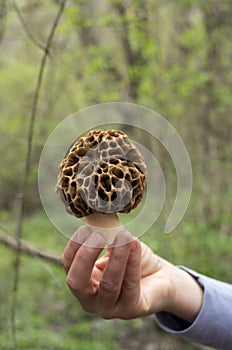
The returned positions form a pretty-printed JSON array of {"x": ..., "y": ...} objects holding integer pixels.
[{"x": 102, "y": 174}]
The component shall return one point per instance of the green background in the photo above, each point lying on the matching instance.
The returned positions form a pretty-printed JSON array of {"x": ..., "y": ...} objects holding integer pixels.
[{"x": 171, "y": 56}]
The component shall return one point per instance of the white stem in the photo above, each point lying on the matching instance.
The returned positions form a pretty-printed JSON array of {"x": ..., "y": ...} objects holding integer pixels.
[{"x": 108, "y": 225}]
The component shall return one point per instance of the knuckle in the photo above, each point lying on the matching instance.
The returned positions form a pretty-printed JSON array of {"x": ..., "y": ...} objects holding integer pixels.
[
  {"x": 82, "y": 261},
  {"x": 119, "y": 258},
  {"x": 108, "y": 286},
  {"x": 72, "y": 284},
  {"x": 130, "y": 284}
]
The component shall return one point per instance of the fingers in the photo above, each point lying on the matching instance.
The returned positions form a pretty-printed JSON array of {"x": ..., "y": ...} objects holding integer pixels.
[
  {"x": 111, "y": 283},
  {"x": 99, "y": 284},
  {"x": 80, "y": 271},
  {"x": 73, "y": 245},
  {"x": 132, "y": 276}
]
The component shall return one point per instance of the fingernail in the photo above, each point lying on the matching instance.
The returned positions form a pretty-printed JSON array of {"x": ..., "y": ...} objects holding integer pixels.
[
  {"x": 124, "y": 237},
  {"x": 95, "y": 240},
  {"x": 101, "y": 263},
  {"x": 81, "y": 235},
  {"x": 134, "y": 245}
]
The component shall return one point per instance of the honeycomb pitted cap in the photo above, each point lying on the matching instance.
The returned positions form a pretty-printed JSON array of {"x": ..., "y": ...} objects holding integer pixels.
[{"x": 102, "y": 172}]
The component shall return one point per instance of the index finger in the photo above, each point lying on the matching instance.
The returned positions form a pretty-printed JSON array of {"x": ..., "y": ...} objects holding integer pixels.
[
  {"x": 77, "y": 239},
  {"x": 80, "y": 271}
]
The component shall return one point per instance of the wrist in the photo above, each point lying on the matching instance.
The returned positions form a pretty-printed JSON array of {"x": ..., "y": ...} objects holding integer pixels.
[{"x": 187, "y": 295}]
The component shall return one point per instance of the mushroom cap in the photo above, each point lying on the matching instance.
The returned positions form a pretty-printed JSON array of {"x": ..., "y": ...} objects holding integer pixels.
[{"x": 102, "y": 172}]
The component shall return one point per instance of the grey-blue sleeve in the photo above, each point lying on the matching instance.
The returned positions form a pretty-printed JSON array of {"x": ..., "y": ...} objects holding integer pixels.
[{"x": 213, "y": 325}]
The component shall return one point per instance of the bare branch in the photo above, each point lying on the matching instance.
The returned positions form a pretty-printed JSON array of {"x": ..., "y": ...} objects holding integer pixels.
[
  {"x": 12, "y": 243},
  {"x": 3, "y": 17},
  {"x": 26, "y": 172},
  {"x": 26, "y": 29}
]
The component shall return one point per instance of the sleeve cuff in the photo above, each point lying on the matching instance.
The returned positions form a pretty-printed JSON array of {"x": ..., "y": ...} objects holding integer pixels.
[{"x": 212, "y": 326}]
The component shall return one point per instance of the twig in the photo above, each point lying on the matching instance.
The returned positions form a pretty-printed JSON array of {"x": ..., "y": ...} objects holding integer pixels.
[
  {"x": 26, "y": 28},
  {"x": 25, "y": 176},
  {"x": 30, "y": 250}
]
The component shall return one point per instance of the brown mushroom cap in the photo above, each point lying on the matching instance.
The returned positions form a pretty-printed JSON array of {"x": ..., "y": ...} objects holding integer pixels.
[{"x": 102, "y": 172}]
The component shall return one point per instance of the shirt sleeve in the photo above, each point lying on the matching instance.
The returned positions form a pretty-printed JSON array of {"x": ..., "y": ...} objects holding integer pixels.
[{"x": 213, "y": 325}]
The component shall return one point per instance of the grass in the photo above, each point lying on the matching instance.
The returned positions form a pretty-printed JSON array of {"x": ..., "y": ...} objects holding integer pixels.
[{"x": 48, "y": 316}]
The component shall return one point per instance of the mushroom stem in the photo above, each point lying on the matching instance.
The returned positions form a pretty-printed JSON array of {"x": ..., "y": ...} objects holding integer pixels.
[
  {"x": 103, "y": 220},
  {"x": 108, "y": 225}
]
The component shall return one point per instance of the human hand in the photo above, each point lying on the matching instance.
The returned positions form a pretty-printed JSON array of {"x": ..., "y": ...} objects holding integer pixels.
[{"x": 129, "y": 281}]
